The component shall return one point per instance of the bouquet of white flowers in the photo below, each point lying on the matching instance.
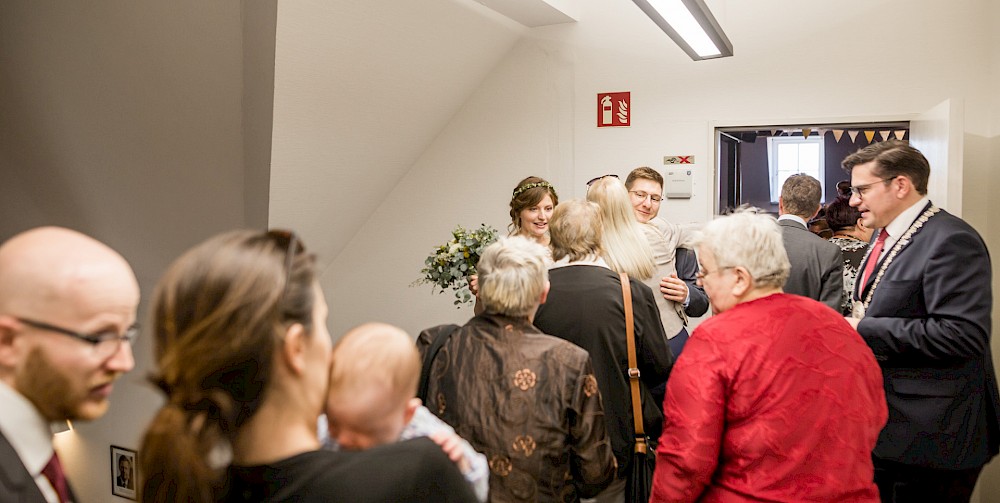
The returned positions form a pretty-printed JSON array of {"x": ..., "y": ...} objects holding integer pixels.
[{"x": 450, "y": 265}]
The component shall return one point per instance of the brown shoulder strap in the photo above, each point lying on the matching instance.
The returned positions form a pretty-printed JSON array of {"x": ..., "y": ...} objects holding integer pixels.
[{"x": 633, "y": 366}]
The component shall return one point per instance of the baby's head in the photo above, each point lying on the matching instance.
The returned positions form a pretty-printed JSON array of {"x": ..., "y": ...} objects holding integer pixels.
[{"x": 373, "y": 383}]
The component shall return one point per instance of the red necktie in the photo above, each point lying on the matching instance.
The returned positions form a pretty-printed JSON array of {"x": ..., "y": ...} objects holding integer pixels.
[
  {"x": 873, "y": 258},
  {"x": 54, "y": 472}
]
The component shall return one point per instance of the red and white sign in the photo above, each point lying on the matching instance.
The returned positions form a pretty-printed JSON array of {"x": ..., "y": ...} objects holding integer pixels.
[{"x": 613, "y": 110}]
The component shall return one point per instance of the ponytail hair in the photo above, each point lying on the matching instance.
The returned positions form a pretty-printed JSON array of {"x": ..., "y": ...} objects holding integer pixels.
[{"x": 218, "y": 315}]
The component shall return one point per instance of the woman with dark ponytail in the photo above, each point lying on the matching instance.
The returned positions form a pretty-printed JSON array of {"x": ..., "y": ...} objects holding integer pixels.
[
  {"x": 244, "y": 356},
  {"x": 851, "y": 235}
]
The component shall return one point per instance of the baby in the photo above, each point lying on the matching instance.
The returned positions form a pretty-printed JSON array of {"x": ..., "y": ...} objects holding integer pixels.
[{"x": 373, "y": 383}]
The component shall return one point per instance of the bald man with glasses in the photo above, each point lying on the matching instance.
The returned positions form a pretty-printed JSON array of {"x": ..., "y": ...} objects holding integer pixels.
[{"x": 67, "y": 323}]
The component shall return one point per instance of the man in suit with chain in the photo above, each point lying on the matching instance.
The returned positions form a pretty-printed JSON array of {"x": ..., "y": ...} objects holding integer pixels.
[
  {"x": 923, "y": 303},
  {"x": 67, "y": 323},
  {"x": 817, "y": 264}
]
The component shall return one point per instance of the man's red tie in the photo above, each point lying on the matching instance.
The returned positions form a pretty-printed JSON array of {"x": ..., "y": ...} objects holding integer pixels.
[
  {"x": 54, "y": 472},
  {"x": 873, "y": 258}
]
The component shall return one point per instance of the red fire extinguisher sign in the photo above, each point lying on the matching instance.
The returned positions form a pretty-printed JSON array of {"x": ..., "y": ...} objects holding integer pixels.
[{"x": 613, "y": 109}]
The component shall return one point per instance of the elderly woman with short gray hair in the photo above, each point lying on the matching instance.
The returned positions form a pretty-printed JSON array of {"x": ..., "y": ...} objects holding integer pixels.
[
  {"x": 777, "y": 398},
  {"x": 526, "y": 400}
]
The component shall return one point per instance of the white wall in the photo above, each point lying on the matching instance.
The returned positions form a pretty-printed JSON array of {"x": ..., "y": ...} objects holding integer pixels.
[
  {"x": 124, "y": 120},
  {"x": 504, "y": 132},
  {"x": 794, "y": 60},
  {"x": 361, "y": 87},
  {"x": 147, "y": 125}
]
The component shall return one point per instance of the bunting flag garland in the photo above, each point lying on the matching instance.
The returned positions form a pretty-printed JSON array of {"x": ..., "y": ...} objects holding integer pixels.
[
  {"x": 837, "y": 133},
  {"x": 870, "y": 135},
  {"x": 853, "y": 135},
  {"x": 775, "y": 132},
  {"x": 900, "y": 133},
  {"x": 884, "y": 134},
  {"x": 806, "y": 132}
]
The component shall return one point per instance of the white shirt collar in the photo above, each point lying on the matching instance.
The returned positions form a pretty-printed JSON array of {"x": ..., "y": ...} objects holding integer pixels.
[
  {"x": 27, "y": 431},
  {"x": 898, "y": 226},
  {"x": 794, "y": 218}
]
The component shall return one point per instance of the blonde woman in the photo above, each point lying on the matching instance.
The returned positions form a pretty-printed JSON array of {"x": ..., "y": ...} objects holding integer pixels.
[{"x": 623, "y": 244}]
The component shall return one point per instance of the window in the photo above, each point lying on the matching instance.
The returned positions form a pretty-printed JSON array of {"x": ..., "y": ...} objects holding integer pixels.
[{"x": 789, "y": 155}]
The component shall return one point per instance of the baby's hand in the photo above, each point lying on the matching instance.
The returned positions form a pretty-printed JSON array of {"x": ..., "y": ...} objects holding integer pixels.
[{"x": 451, "y": 444}]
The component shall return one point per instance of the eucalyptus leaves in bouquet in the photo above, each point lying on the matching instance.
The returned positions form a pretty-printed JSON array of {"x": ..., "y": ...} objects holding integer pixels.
[{"x": 450, "y": 265}]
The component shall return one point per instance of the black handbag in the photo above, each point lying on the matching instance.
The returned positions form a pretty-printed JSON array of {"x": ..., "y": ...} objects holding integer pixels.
[{"x": 638, "y": 486}]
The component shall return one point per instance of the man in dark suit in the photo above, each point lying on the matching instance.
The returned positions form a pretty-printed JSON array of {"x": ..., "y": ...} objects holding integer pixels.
[
  {"x": 817, "y": 264},
  {"x": 67, "y": 320},
  {"x": 124, "y": 479},
  {"x": 922, "y": 303}
]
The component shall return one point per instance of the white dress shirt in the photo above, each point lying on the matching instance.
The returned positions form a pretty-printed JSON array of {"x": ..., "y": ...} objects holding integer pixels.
[
  {"x": 901, "y": 223},
  {"x": 29, "y": 434}
]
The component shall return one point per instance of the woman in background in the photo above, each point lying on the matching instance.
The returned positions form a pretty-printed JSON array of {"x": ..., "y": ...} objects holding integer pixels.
[
  {"x": 527, "y": 400},
  {"x": 851, "y": 235},
  {"x": 531, "y": 206},
  {"x": 239, "y": 326},
  {"x": 623, "y": 244},
  {"x": 585, "y": 306}
]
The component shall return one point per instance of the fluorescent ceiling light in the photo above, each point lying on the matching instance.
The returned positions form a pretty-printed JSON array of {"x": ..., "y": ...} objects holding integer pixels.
[{"x": 691, "y": 25}]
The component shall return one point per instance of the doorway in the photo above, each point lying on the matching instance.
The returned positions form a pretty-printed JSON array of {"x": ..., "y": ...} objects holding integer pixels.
[{"x": 753, "y": 160}]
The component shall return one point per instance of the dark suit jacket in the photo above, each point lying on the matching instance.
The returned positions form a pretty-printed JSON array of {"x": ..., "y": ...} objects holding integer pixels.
[
  {"x": 817, "y": 265},
  {"x": 929, "y": 326},
  {"x": 687, "y": 270},
  {"x": 16, "y": 484},
  {"x": 585, "y": 307}
]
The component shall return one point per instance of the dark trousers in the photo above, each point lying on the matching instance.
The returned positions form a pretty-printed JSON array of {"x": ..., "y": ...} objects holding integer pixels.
[
  {"x": 899, "y": 483},
  {"x": 676, "y": 345},
  {"x": 677, "y": 342}
]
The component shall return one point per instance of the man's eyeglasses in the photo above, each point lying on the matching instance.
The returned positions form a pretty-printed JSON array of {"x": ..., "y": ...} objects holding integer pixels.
[
  {"x": 641, "y": 196},
  {"x": 702, "y": 273},
  {"x": 859, "y": 190},
  {"x": 592, "y": 180},
  {"x": 104, "y": 344}
]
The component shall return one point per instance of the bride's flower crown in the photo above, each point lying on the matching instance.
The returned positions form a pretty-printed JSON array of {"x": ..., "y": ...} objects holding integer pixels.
[{"x": 532, "y": 186}]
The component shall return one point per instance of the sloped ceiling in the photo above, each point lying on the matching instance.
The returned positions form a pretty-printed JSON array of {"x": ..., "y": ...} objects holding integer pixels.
[{"x": 361, "y": 88}]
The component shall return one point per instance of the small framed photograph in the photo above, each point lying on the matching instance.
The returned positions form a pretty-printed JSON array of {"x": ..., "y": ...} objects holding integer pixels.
[{"x": 123, "y": 472}]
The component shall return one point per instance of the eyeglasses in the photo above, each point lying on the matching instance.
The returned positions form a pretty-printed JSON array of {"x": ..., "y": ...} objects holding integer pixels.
[
  {"x": 104, "y": 344},
  {"x": 592, "y": 180},
  {"x": 702, "y": 274},
  {"x": 641, "y": 196},
  {"x": 289, "y": 241},
  {"x": 859, "y": 190}
]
